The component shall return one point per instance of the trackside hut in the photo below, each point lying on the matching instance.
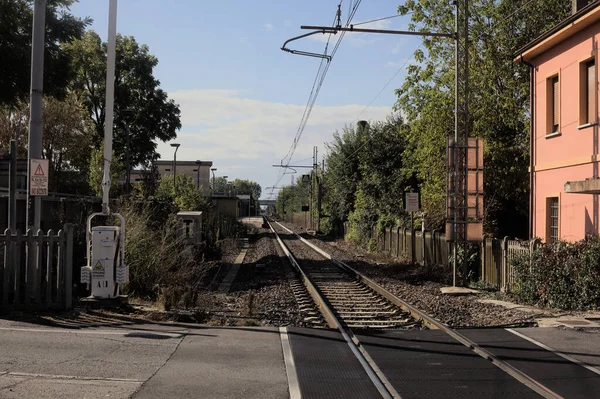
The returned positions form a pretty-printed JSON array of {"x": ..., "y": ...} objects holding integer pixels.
[{"x": 564, "y": 167}]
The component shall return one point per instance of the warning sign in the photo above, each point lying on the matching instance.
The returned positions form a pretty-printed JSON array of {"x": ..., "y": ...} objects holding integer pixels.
[
  {"x": 98, "y": 271},
  {"x": 411, "y": 202},
  {"x": 38, "y": 179}
]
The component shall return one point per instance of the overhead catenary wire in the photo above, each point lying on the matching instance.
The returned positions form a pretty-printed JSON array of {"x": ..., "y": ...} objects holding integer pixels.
[{"x": 321, "y": 74}]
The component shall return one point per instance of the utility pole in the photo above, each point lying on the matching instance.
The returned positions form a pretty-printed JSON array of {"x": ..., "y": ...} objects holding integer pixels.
[
  {"x": 12, "y": 187},
  {"x": 34, "y": 205},
  {"x": 458, "y": 212},
  {"x": 110, "y": 101}
]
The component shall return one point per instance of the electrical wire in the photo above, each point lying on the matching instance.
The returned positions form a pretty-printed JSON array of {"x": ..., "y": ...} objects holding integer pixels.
[
  {"x": 382, "y": 19},
  {"x": 321, "y": 74}
]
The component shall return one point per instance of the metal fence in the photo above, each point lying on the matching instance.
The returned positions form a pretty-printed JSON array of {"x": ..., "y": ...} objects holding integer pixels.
[{"x": 37, "y": 269}]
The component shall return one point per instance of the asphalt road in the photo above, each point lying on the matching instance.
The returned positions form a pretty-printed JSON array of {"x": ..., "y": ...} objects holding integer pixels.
[{"x": 144, "y": 361}]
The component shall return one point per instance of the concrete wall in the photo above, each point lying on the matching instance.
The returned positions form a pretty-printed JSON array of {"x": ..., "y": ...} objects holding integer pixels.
[
  {"x": 190, "y": 169},
  {"x": 570, "y": 155}
]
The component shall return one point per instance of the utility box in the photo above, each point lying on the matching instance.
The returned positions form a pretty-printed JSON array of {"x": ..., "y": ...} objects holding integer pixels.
[
  {"x": 189, "y": 230},
  {"x": 106, "y": 269}
]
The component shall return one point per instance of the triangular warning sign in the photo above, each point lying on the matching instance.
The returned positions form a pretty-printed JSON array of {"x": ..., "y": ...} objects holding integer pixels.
[
  {"x": 98, "y": 266},
  {"x": 39, "y": 171}
]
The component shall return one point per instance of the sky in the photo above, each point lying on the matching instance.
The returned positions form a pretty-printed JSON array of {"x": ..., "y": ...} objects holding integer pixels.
[{"x": 241, "y": 97}]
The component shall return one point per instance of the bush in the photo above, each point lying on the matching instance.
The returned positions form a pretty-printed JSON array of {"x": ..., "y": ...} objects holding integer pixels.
[
  {"x": 560, "y": 275},
  {"x": 155, "y": 257}
]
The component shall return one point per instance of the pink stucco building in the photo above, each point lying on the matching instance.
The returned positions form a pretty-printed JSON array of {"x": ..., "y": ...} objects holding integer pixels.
[{"x": 564, "y": 144}]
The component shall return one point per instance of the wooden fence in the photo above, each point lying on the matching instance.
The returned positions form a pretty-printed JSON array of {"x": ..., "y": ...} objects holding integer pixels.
[
  {"x": 431, "y": 247},
  {"x": 426, "y": 247},
  {"x": 36, "y": 269}
]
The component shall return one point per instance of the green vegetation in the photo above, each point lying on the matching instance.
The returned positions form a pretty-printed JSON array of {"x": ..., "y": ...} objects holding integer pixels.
[
  {"x": 560, "y": 275},
  {"x": 369, "y": 168}
]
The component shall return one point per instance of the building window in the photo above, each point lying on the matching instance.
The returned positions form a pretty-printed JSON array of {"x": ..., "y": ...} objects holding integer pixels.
[
  {"x": 553, "y": 104},
  {"x": 587, "y": 92},
  {"x": 553, "y": 219}
]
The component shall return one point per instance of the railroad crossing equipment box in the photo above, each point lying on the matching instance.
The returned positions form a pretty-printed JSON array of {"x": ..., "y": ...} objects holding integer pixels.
[
  {"x": 189, "y": 230},
  {"x": 106, "y": 268}
]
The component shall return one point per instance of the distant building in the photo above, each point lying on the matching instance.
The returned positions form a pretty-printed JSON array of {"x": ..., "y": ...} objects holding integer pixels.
[
  {"x": 187, "y": 168},
  {"x": 564, "y": 145}
]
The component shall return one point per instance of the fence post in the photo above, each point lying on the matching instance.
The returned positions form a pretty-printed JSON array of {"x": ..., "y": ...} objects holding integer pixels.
[
  {"x": 6, "y": 268},
  {"x": 504, "y": 264},
  {"x": 483, "y": 260},
  {"x": 413, "y": 256},
  {"x": 39, "y": 249},
  {"x": 69, "y": 267},
  {"x": 423, "y": 251},
  {"x": 49, "y": 260},
  {"x": 30, "y": 269},
  {"x": 532, "y": 247}
]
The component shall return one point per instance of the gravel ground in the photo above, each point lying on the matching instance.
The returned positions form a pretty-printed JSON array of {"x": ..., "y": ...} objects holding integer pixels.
[
  {"x": 420, "y": 286},
  {"x": 263, "y": 284}
]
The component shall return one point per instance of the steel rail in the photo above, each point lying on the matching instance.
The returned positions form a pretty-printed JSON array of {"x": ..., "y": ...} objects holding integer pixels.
[
  {"x": 376, "y": 376},
  {"x": 514, "y": 372}
]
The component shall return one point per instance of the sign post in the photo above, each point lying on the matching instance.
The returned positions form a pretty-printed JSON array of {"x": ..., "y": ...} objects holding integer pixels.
[
  {"x": 38, "y": 178},
  {"x": 412, "y": 205}
]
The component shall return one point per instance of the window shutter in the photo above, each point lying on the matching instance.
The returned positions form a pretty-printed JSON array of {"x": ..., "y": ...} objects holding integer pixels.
[
  {"x": 591, "y": 92},
  {"x": 555, "y": 103}
]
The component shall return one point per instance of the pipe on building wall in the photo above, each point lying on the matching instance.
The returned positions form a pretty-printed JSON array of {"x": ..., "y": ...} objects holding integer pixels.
[{"x": 531, "y": 141}]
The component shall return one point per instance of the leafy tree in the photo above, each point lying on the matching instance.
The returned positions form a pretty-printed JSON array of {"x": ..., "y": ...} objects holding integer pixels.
[
  {"x": 220, "y": 185},
  {"x": 341, "y": 176},
  {"x": 143, "y": 112},
  {"x": 66, "y": 140},
  {"x": 247, "y": 187},
  {"x": 188, "y": 197},
  {"x": 16, "y": 19},
  {"x": 291, "y": 198},
  {"x": 499, "y": 95}
]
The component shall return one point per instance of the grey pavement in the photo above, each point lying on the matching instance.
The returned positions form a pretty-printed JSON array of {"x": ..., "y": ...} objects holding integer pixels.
[
  {"x": 581, "y": 345},
  {"x": 223, "y": 363},
  {"x": 158, "y": 360}
]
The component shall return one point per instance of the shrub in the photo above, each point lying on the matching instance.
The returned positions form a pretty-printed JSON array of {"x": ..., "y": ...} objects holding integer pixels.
[
  {"x": 155, "y": 256},
  {"x": 560, "y": 275}
]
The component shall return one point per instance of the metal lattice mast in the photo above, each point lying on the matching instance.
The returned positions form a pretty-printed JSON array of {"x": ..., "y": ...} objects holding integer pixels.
[{"x": 457, "y": 165}]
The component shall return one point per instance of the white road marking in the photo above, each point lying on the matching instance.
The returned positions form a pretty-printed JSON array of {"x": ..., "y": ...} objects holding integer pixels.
[
  {"x": 97, "y": 332},
  {"x": 556, "y": 352},
  {"x": 69, "y": 377},
  {"x": 290, "y": 367}
]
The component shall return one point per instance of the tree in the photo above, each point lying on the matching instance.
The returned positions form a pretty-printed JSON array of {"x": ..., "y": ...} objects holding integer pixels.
[
  {"x": 143, "y": 112},
  {"x": 499, "y": 95},
  {"x": 188, "y": 197},
  {"x": 247, "y": 187},
  {"x": 66, "y": 140},
  {"x": 16, "y": 18}
]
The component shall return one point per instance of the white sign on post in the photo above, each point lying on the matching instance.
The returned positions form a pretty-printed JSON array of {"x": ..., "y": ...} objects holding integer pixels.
[
  {"x": 38, "y": 178},
  {"x": 411, "y": 202}
]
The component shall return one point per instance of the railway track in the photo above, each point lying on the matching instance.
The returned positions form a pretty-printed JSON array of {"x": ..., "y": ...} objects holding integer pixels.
[
  {"x": 350, "y": 301},
  {"x": 353, "y": 302}
]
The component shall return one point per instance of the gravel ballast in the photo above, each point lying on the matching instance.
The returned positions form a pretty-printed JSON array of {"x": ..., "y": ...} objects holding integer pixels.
[{"x": 420, "y": 286}]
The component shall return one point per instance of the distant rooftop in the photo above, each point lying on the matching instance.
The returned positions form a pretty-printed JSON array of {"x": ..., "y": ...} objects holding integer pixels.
[{"x": 187, "y": 163}]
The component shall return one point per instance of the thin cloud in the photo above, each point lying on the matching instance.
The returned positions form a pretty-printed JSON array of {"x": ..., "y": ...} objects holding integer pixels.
[
  {"x": 247, "y": 136},
  {"x": 268, "y": 27}
]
